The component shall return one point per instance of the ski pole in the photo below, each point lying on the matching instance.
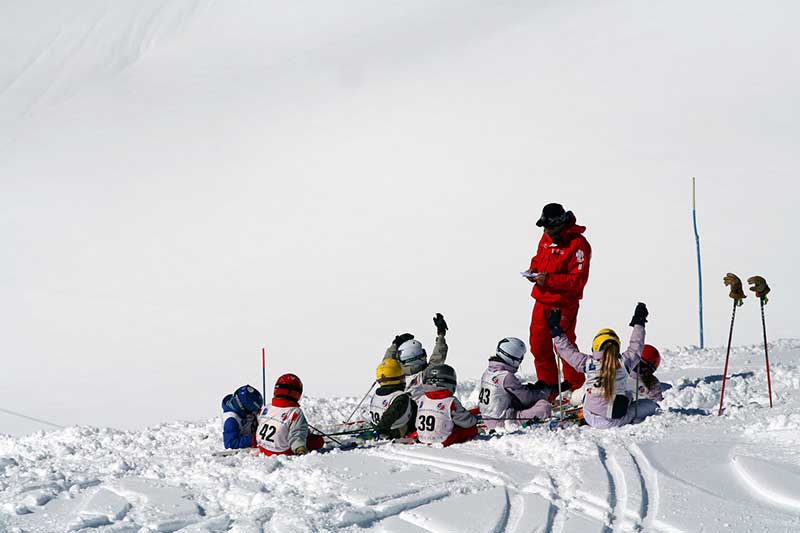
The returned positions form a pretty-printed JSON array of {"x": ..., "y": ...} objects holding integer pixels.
[
  {"x": 759, "y": 286},
  {"x": 348, "y": 432},
  {"x": 26, "y": 417},
  {"x": 361, "y": 402},
  {"x": 727, "y": 357},
  {"x": 766, "y": 351},
  {"x": 340, "y": 443},
  {"x": 264, "y": 372},
  {"x": 636, "y": 401},
  {"x": 737, "y": 295},
  {"x": 560, "y": 377}
]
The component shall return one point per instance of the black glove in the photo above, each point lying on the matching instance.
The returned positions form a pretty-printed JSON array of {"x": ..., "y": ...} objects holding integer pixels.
[
  {"x": 554, "y": 323},
  {"x": 539, "y": 386},
  {"x": 639, "y": 315},
  {"x": 400, "y": 339},
  {"x": 441, "y": 325}
]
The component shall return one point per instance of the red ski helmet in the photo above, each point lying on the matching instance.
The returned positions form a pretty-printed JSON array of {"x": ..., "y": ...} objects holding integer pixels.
[
  {"x": 651, "y": 356},
  {"x": 289, "y": 387}
]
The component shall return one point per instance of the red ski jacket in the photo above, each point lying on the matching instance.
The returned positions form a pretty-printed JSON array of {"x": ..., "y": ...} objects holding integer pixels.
[{"x": 566, "y": 260}]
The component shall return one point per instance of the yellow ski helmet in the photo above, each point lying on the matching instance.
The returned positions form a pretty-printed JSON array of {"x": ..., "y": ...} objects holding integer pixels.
[
  {"x": 389, "y": 372},
  {"x": 603, "y": 336}
]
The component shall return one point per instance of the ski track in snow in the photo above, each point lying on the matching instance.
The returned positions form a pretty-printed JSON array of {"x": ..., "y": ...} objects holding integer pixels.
[{"x": 683, "y": 470}]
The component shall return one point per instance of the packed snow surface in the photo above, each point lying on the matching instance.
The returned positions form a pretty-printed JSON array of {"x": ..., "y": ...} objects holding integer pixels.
[{"x": 685, "y": 469}]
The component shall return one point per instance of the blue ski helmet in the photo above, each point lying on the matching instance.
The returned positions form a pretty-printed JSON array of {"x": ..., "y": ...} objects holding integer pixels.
[{"x": 247, "y": 398}]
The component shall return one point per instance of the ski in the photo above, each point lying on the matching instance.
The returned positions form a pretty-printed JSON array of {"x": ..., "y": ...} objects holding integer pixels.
[{"x": 230, "y": 453}]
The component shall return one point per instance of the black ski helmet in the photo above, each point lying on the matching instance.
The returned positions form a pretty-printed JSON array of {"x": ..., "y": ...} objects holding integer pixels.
[{"x": 441, "y": 376}]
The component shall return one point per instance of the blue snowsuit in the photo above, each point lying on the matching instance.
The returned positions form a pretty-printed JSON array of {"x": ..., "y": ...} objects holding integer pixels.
[{"x": 237, "y": 426}]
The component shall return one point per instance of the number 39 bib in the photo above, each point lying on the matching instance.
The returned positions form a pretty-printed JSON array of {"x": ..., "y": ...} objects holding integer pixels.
[
  {"x": 434, "y": 419},
  {"x": 273, "y": 428}
]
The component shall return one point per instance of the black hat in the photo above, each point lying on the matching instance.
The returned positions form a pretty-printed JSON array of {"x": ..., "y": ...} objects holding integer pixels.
[{"x": 552, "y": 215}]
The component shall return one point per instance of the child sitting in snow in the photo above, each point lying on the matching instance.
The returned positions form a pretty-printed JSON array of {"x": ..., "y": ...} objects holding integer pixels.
[
  {"x": 441, "y": 419},
  {"x": 414, "y": 359},
  {"x": 282, "y": 427},
  {"x": 649, "y": 386},
  {"x": 391, "y": 409},
  {"x": 503, "y": 396},
  {"x": 608, "y": 400},
  {"x": 239, "y": 411}
]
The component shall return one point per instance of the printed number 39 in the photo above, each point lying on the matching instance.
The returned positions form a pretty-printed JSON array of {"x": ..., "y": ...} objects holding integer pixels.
[{"x": 426, "y": 423}]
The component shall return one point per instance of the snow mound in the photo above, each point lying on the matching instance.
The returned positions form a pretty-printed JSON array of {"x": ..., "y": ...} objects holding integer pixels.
[{"x": 777, "y": 482}]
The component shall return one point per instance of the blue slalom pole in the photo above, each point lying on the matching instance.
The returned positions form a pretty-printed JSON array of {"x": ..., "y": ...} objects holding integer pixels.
[{"x": 699, "y": 269}]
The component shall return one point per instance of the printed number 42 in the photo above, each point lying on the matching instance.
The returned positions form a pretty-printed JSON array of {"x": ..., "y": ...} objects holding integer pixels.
[{"x": 267, "y": 432}]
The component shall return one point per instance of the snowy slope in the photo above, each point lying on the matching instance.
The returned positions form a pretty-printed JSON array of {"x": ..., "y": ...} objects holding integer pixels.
[
  {"x": 683, "y": 470},
  {"x": 185, "y": 181}
]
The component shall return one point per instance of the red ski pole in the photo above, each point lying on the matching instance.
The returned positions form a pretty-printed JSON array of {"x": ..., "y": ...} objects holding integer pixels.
[
  {"x": 264, "y": 372},
  {"x": 727, "y": 358},
  {"x": 738, "y": 296},
  {"x": 759, "y": 286},
  {"x": 766, "y": 351}
]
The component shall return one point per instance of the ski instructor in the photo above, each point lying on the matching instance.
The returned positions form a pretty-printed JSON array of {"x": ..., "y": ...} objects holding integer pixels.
[{"x": 559, "y": 272}]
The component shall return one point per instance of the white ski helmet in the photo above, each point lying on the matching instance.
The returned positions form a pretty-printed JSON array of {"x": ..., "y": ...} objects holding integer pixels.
[
  {"x": 441, "y": 376},
  {"x": 511, "y": 350},
  {"x": 412, "y": 355}
]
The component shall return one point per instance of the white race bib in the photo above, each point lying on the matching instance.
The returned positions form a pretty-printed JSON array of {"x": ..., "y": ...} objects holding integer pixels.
[
  {"x": 434, "y": 419},
  {"x": 379, "y": 404},
  {"x": 493, "y": 400},
  {"x": 273, "y": 428}
]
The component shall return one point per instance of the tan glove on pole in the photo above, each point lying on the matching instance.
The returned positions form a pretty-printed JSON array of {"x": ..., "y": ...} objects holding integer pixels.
[
  {"x": 733, "y": 281},
  {"x": 759, "y": 286}
]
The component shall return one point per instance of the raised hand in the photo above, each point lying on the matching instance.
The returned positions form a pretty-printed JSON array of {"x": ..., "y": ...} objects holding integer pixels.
[
  {"x": 639, "y": 315},
  {"x": 441, "y": 325},
  {"x": 400, "y": 339}
]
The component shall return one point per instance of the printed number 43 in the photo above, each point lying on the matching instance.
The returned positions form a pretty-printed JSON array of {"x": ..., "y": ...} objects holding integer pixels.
[{"x": 484, "y": 396}]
